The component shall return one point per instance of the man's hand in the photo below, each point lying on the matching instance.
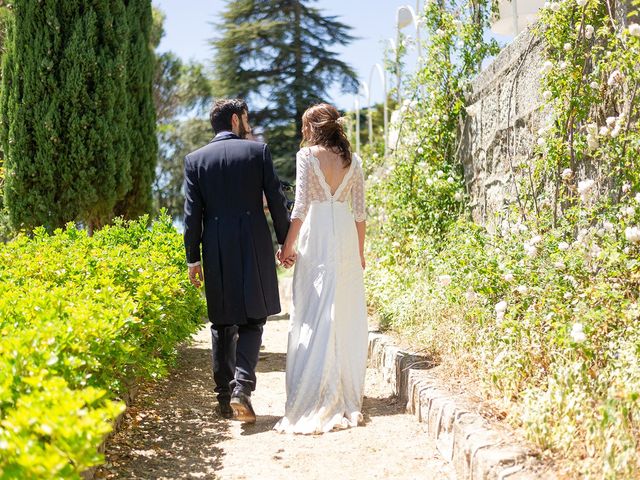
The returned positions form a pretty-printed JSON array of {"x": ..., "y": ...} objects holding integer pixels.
[
  {"x": 196, "y": 276},
  {"x": 285, "y": 257}
]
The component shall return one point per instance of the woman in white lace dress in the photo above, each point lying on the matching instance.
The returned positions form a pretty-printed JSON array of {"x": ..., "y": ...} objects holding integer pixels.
[{"x": 327, "y": 351}]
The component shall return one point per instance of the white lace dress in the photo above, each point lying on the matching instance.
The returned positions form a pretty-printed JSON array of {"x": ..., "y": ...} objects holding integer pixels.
[{"x": 327, "y": 350}]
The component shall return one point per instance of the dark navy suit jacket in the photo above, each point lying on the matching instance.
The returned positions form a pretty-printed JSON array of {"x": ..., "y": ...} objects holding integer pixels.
[{"x": 224, "y": 214}]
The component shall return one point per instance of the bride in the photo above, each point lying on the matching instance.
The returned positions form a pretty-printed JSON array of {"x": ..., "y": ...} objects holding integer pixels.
[{"x": 327, "y": 350}]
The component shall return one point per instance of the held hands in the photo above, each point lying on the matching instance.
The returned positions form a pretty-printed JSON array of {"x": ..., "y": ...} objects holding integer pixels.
[
  {"x": 286, "y": 256},
  {"x": 195, "y": 276}
]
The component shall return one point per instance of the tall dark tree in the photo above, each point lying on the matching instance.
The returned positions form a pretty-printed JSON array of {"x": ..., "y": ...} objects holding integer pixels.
[
  {"x": 182, "y": 93},
  {"x": 141, "y": 111},
  {"x": 65, "y": 133},
  {"x": 278, "y": 55}
]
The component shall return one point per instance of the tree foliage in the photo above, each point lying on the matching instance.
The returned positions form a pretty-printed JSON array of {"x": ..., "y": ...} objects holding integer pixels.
[
  {"x": 277, "y": 55},
  {"x": 77, "y": 111}
]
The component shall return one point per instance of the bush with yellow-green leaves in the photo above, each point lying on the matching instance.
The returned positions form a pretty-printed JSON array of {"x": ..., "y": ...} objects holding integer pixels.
[{"x": 81, "y": 318}]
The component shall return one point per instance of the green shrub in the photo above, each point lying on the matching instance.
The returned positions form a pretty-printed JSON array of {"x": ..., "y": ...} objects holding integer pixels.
[{"x": 81, "y": 318}]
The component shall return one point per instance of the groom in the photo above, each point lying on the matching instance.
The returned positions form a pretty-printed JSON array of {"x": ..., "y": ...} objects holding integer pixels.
[{"x": 223, "y": 212}]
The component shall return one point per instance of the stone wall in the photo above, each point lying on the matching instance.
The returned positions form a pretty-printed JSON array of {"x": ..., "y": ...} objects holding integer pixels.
[
  {"x": 504, "y": 105},
  {"x": 505, "y": 114}
]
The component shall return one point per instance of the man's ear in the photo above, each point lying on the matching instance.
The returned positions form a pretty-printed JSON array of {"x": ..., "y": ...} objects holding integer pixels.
[{"x": 235, "y": 120}]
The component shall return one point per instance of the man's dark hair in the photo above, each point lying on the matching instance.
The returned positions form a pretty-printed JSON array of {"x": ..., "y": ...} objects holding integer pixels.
[{"x": 222, "y": 111}]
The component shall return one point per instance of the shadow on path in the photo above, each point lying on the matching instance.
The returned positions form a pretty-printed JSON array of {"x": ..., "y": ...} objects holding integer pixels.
[{"x": 172, "y": 429}]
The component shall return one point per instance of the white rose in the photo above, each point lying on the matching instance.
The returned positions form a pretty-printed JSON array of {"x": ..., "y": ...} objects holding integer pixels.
[
  {"x": 530, "y": 250},
  {"x": 585, "y": 187},
  {"x": 563, "y": 246},
  {"x": 604, "y": 131},
  {"x": 626, "y": 187},
  {"x": 444, "y": 280},
  {"x": 581, "y": 3},
  {"x": 611, "y": 121},
  {"x": 616, "y": 77},
  {"x": 615, "y": 132},
  {"x": 541, "y": 141},
  {"x": 439, "y": 173},
  {"x": 566, "y": 174},
  {"x": 595, "y": 85},
  {"x": 567, "y": 46},
  {"x": 420, "y": 150},
  {"x": 577, "y": 333},
  {"x": 458, "y": 197},
  {"x": 637, "y": 197},
  {"x": 559, "y": 265},
  {"x": 567, "y": 296},
  {"x": 634, "y": 29},
  {"x": 522, "y": 289},
  {"x": 501, "y": 307},
  {"x": 508, "y": 277},
  {"x": 629, "y": 211},
  {"x": 588, "y": 31},
  {"x": 563, "y": 65},
  {"x": 592, "y": 142},
  {"x": 535, "y": 240},
  {"x": 546, "y": 94},
  {"x": 632, "y": 234},
  {"x": 547, "y": 66},
  {"x": 450, "y": 180}
]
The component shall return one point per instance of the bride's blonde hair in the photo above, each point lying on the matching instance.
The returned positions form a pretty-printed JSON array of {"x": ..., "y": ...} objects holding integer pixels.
[{"x": 322, "y": 125}]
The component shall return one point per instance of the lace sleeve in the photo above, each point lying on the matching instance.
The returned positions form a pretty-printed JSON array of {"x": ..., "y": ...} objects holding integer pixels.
[
  {"x": 357, "y": 192},
  {"x": 301, "y": 204}
]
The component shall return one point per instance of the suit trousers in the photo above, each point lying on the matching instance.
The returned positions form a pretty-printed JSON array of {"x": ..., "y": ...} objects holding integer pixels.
[{"x": 235, "y": 350}]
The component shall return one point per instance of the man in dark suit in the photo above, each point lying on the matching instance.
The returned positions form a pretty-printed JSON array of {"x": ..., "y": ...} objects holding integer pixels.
[{"x": 223, "y": 213}]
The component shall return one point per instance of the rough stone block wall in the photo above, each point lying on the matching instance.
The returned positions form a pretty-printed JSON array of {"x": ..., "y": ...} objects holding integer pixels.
[{"x": 501, "y": 129}]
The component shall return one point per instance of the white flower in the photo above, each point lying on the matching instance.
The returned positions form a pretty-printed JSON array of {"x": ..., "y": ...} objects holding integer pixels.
[
  {"x": 395, "y": 244},
  {"x": 470, "y": 295},
  {"x": 547, "y": 94},
  {"x": 581, "y": 3},
  {"x": 567, "y": 46},
  {"x": 616, "y": 77},
  {"x": 634, "y": 29},
  {"x": 522, "y": 227},
  {"x": 563, "y": 246},
  {"x": 637, "y": 197},
  {"x": 567, "y": 296},
  {"x": 535, "y": 240},
  {"x": 566, "y": 174},
  {"x": 626, "y": 187},
  {"x": 592, "y": 142},
  {"x": 439, "y": 32},
  {"x": 563, "y": 65},
  {"x": 555, "y": 6},
  {"x": 588, "y": 31},
  {"x": 459, "y": 44},
  {"x": 450, "y": 180},
  {"x": 629, "y": 211},
  {"x": 547, "y": 66},
  {"x": 541, "y": 141},
  {"x": 439, "y": 173},
  {"x": 594, "y": 85},
  {"x": 530, "y": 250},
  {"x": 559, "y": 265},
  {"x": 522, "y": 289},
  {"x": 444, "y": 280},
  {"x": 595, "y": 250},
  {"x": 584, "y": 188},
  {"x": 604, "y": 131},
  {"x": 429, "y": 181},
  {"x": 508, "y": 277},
  {"x": 632, "y": 234},
  {"x": 46, "y": 429},
  {"x": 611, "y": 121},
  {"x": 458, "y": 197},
  {"x": 577, "y": 333},
  {"x": 420, "y": 150},
  {"x": 501, "y": 307},
  {"x": 616, "y": 131}
]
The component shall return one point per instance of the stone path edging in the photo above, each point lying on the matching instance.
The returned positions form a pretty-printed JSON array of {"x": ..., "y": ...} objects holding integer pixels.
[{"x": 476, "y": 451}]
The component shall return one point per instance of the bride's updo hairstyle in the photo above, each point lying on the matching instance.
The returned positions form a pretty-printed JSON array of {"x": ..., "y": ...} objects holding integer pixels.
[{"x": 322, "y": 125}]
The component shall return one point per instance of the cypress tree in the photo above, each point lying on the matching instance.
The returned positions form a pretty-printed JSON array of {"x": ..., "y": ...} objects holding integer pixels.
[
  {"x": 277, "y": 54},
  {"x": 64, "y": 112},
  {"x": 142, "y": 117}
]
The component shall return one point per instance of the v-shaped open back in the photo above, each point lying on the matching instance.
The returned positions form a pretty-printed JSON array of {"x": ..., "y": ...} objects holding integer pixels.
[{"x": 331, "y": 192}]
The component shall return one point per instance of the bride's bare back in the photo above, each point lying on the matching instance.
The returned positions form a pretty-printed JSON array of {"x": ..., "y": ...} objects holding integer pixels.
[{"x": 332, "y": 167}]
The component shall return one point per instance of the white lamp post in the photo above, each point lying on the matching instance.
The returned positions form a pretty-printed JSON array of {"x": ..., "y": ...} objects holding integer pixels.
[
  {"x": 405, "y": 16},
  {"x": 515, "y": 15}
]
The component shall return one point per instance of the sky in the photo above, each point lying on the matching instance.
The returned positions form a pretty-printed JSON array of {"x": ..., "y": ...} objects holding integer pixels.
[{"x": 188, "y": 27}]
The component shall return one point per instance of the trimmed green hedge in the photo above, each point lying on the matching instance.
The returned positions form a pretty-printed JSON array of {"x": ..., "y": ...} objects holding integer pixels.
[{"x": 80, "y": 318}]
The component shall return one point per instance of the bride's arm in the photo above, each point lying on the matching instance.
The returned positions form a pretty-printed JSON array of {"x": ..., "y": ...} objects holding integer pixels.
[
  {"x": 300, "y": 208},
  {"x": 359, "y": 207}
]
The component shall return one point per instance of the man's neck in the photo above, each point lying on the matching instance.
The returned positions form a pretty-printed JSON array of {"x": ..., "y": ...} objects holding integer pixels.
[{"x": 224, "y": 132}]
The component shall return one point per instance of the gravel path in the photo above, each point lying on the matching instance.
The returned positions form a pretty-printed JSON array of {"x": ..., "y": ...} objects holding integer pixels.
[{"x": 172, "y": 431}]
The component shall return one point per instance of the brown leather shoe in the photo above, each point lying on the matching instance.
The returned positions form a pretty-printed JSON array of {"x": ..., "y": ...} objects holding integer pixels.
[{"x": 242, "y": 409}]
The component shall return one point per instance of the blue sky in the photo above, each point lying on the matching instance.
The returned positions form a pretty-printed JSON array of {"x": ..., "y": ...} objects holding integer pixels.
[{"x": 189, "y": 25}]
